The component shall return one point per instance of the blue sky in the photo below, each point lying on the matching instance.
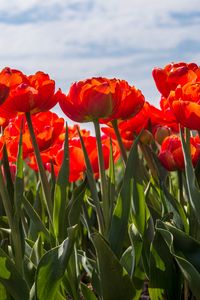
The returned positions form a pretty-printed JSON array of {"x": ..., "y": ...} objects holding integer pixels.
[{"x": 76, "y": 39}]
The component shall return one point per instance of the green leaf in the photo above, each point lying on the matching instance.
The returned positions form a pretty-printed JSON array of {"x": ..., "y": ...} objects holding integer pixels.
[
  {"x": 115, "y": 281},
  {"x": 162, "y": 267},
  {"x": 52, "y": 267},
  {"x": 122, "y": 209},
  {"x": 16, "y": 229},
  {"x": 7, "y": 173},
  {"x": 87, "y": 292},
  {"x": 92, "y": 185},
  {"x": 179, "y": 216},
  {"x": 170, "y": 203},
  {"x": 128, "y": 260},
  {"x": 138, "y": 275},
  {"x": 60, "y": 194},
  {"x": 186, "y": 252},
  {"x": 141, "y": 213},
  {"x": 194, "y": 192},
  {"x": 11, "y": 279},
  {"x": 137, "y": 242},
  {"x": 3, "y": 293},
  {"x": 111, "y": 182},
  {"x": 71, "y": 279},
  {"x": 41, "y": 170},
  {"x": 37, "y": 251},
  {"x": 75, "y": 205},
  {"x": 35, "y": 218}
]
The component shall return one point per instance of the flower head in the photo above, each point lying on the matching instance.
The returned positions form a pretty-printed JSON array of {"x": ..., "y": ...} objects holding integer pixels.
[
  {"x": 101, "y": 98},
  {"x": 171, "y": 154},
  {"x": 34, "y": 93},
  {"x": 185, "y": 104},
  {"x": 175, "y": 74}
]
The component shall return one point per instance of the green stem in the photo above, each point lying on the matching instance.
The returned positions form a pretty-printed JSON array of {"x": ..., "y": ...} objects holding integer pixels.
[
  {"x": 187, "y": 139},
  {"x": 180, "y": 188},
  {"x": 43, "y": 177},
  {"x": 5, "y": 199},
  {"x": 103, "y": 181},
  {"x": 186, "y": 290},
  {"x": 119, "y": 140},
  {"x": 93, "y": 188}
]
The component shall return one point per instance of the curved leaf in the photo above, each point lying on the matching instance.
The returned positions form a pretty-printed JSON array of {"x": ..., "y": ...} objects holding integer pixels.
[
  {"x": 11, "y": 279},
  {"x": 52, "y": 267},
  {"x": 122, "y": 208},
  {"x": 115, "y": 281},
  {"x": 186, "y": 252}
]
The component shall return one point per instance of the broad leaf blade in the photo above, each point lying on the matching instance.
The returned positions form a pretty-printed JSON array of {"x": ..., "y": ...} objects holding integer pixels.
[
  {"x": 186, "y": 252},
  {"x": 52, "y": 267},
  {"x": 162, "y": 267},
  {"x": 75, "y": 205},
  {"x": 194, "y": 192},
  {"x": 60, "y": 194},
  {"x": 122, "y": 208},
  {"x": 11, "y": 279},
  {"x": 115, "y": 281},
  {"x": 35, "y": 218}
]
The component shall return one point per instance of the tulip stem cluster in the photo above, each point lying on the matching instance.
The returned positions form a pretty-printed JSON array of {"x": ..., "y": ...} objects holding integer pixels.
[
  {"x": 103, "y": 180},
  {"x": 44, "y": 180}
]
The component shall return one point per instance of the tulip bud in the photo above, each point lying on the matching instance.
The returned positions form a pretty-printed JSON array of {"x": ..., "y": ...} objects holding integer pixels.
[
  {"x": 161, "y": 133},
  {"x": 146, "y": 137}
]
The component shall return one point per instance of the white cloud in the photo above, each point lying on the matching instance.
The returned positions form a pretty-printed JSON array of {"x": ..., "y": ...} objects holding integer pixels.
[{"x": 76, "y": 39}]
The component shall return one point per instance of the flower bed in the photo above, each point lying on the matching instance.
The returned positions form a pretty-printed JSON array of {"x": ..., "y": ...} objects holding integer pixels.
[{"x": 111, "y": 216}]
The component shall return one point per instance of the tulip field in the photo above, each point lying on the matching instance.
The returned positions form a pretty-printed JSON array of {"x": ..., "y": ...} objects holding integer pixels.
[{"x": 113, "y": 215}]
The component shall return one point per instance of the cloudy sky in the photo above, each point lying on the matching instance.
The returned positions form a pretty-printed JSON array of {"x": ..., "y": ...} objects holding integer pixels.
[{"x": 76, "y": 39}]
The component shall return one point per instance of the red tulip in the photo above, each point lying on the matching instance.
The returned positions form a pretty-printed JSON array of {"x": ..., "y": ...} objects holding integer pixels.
[
  {"x": 171, "y": 154},
  {"x": 48, "y": 126},
  {"x": 101, "y": 98},
  {"x": 185, "y": 104},
  {"x": 175, "y": 74},
  {"x": 34, "y": 93}
]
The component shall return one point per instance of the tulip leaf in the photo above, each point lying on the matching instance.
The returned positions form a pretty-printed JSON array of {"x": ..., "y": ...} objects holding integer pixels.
[
  {"x": 7, "y": 172},
  {"x": 52, "y": 267},
  {"x": 138, "y": 276},
  {"x": 122, "y": 208},
  {"x": 35, "y": 218},
  {"x": 173, "y": 206},
  {"x": 16, "y": 230},
  {"x": 87, "y": 292},
  {"x": 111, "y": 182},
  {"x": 115, "y": 281},
  {"x": 60, "y": 194},
  {"x": 162, "y": 267},
  {"x": 11, "y": 279},
  {"x": 3, "y": 293},
  {"x": 170, "y": 203},
  {"x": 140, "y": 210},
  {"x": 92, "y": 185},
  {"x": 128, "y": 260},
  {"x": 137, "y": 242},
  {"x": 194, "y": 192},
  {"x": 75, "y": 205},
  {"x": 186, "y": 251}
]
